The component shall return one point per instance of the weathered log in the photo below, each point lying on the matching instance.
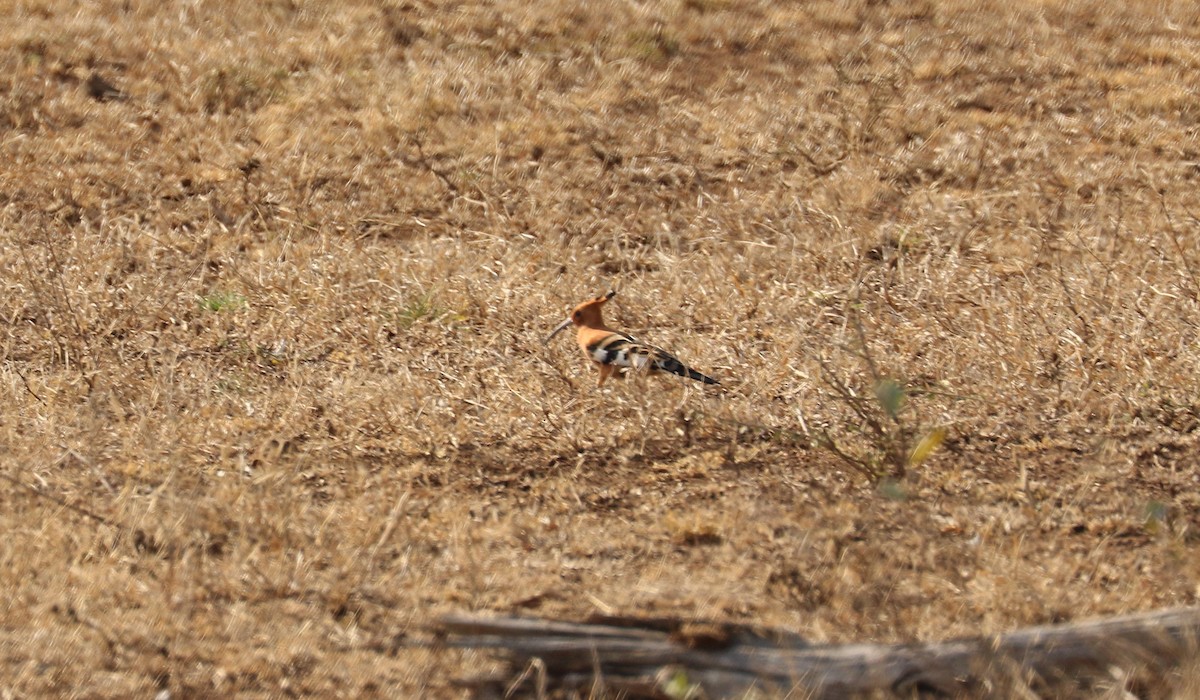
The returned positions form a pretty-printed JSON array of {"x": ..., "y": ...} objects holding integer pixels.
[{"x": 639, "y": 656}]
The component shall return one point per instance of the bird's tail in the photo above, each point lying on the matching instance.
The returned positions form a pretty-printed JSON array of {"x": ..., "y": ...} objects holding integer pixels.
[
  {"x": 667, "y": 363},
  {"x": 693, "y": 374}
]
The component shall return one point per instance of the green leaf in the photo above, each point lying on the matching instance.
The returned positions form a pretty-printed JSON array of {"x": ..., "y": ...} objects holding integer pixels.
[
  {"x": 1155, "y": 515},
  {"x": 891, "y": 396},
  {"x": 677, "y": 686},
  {"x": 892, "y": 489}
]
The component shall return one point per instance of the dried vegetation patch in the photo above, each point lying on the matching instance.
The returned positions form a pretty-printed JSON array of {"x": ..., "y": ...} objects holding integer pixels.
[{"x": 275, "y": 278}]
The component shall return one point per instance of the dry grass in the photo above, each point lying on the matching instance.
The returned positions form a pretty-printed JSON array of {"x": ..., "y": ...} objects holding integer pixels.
[{"x": 273, "y": 307}]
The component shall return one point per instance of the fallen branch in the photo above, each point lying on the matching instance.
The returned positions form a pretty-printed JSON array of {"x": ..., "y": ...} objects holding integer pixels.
[{"x": 648, "y": 658}]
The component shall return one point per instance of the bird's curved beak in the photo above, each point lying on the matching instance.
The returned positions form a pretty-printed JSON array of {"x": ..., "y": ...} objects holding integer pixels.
[{"x": 557, "y": 330}]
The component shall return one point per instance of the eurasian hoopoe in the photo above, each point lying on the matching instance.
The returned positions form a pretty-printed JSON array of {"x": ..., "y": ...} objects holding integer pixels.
[{"x": 611, "y": 349}]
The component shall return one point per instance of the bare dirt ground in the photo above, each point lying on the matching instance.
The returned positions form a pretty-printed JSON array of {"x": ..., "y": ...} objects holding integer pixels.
[{"x": 276, "y": 277}]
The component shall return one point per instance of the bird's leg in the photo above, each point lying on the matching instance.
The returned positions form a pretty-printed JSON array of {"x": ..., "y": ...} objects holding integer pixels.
[{"x": 606, "y": 372}]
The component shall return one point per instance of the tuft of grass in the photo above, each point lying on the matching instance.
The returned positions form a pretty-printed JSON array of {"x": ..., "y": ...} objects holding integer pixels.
[
  {"x": 421, "y": 308},
  {"x": 222, "y": 301},
  {"x": 235, "y": 88},
  {"x": 653, "y": 45}
]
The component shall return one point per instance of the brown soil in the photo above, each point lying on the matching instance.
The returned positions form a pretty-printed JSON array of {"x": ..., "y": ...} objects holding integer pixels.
[{"x": 277, "y": 277}]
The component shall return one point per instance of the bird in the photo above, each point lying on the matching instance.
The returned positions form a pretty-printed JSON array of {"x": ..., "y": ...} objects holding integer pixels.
[{"x": 612, "y": 350}]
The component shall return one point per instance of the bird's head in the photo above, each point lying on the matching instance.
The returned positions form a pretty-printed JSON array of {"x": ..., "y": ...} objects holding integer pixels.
[{"x": 586, "y": 314}]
